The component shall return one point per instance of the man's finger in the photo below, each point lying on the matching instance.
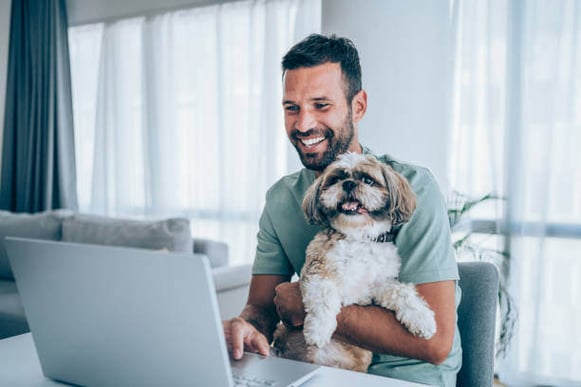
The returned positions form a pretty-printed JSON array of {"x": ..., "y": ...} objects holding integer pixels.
[
  {"x": 258, "y": 343},
  {"x": 237, "y": 333}
]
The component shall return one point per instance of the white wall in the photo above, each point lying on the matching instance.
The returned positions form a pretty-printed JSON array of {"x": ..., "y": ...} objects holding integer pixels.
[
  {"x": 405, "y": 53},
  {"x": 4, "y": 35}
]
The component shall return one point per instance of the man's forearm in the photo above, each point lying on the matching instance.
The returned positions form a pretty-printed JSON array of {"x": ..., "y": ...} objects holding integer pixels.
[
  {"x": 263, "y": 318},
  {"x": 377, "y": 329},
  {"x": 260, "y": 310}
]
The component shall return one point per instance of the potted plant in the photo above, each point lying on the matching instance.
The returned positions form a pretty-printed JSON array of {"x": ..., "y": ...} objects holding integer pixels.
[{"x": 469, "y": 247}]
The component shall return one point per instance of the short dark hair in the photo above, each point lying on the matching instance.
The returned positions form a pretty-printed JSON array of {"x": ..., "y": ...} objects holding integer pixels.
[{"x": 317, "y": 49}]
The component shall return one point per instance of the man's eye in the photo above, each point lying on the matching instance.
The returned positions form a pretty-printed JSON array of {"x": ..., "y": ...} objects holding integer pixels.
[
  {"x": 321, "y": 105},
  {"x": 291, "y": 108},
  {"x": 367, "y": 180}
]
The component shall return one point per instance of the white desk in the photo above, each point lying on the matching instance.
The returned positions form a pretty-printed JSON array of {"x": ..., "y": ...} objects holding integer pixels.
[{"x": 19, "y": 367}]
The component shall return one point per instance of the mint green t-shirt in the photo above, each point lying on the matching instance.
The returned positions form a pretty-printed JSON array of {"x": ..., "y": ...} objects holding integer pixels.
[{"x": 424, "y": 244}]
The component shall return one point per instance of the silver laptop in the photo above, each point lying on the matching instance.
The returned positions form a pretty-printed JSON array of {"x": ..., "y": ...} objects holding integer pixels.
[{"x": 102, "y": 315}]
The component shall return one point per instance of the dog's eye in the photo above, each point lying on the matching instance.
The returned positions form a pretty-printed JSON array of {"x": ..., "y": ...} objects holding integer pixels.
[
  {"x": 332, "y": 180},
  {"x": 367, "y": 180}
]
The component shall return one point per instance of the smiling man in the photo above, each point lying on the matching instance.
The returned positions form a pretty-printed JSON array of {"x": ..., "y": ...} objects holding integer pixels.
[
  {"x": 315, "y": 119},
  {"x": 323, "y": 103}
]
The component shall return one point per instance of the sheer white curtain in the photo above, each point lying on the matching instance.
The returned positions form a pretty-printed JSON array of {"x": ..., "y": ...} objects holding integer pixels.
[
  {"x": 517, "y": 131},
  {"x": 180, "y": 113}
]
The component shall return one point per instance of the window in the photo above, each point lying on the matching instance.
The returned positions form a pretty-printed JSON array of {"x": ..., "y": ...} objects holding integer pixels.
[
  {"x": 179, "y": 114},
  {"x": 517, "y": 127}
]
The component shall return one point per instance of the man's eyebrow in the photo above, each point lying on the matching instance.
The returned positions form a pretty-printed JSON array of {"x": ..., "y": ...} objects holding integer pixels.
[{"x": 314, "y": 99}]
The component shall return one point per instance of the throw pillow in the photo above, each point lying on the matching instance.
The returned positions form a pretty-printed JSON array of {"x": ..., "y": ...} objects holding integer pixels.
[
  {"x": 42, "y": 225},
  {"x": 172, "y": 234}
]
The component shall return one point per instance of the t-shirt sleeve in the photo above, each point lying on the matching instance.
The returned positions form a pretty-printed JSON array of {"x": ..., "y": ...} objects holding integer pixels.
[
  {"x": 424, "y": 242},
  {"x": 270, "y": 256}
]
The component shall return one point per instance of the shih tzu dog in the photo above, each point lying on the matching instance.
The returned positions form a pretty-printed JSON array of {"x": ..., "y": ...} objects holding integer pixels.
[{"x": 353, "y": 261}]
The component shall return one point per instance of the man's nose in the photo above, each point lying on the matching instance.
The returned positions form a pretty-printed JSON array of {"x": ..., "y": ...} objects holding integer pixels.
[{"x": 305, "y": 121}]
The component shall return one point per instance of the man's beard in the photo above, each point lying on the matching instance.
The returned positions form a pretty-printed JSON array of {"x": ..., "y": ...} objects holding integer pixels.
[{"x": 339, "y": 142}]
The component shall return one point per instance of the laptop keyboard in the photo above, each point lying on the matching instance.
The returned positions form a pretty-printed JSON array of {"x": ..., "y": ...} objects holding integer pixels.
[{"x": 251, "y": 381}]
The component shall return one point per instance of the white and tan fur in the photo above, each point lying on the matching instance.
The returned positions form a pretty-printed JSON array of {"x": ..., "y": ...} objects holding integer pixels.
[{"x": 359, "y": 199}]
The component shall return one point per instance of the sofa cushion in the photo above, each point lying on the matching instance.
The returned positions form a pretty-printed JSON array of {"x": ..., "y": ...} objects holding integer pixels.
[
  {"x": 10, "y": 305},
  {"x": 42, "y": 225},
  {"x": 171, "y": 234},
  {"x": 12, "y": 316},
  {"x": 216, "y": 251}
]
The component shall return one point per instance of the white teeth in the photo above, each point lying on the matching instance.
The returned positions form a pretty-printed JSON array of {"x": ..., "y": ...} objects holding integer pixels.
[{"x": 312, "y": 141}]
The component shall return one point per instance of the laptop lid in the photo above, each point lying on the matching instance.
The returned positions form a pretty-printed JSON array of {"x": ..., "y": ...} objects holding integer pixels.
[{"x": 102, "y": 315}]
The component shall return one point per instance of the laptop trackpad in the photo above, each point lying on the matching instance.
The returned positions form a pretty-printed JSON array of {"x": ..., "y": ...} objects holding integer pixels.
[{"x": 274, "y": 371}]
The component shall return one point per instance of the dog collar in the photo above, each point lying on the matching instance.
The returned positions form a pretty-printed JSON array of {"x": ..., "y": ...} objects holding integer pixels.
[{"x": 384, "y": 238}]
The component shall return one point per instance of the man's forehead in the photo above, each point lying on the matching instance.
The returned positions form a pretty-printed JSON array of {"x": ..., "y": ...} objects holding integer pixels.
[{"x": 317, "y": 82}]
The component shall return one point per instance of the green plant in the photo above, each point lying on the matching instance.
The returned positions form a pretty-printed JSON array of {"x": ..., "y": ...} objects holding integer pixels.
[{"x": 468, "y": 247}]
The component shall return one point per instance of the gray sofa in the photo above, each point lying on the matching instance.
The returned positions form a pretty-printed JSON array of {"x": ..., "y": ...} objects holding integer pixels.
[{"x": 168, "y": 234}]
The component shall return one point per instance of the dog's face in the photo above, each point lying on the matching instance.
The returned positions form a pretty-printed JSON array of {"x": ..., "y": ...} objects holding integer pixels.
[{"x": 357, "y": 191}]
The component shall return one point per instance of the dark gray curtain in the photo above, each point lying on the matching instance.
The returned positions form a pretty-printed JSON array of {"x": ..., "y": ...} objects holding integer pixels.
[{"x": 38, "y": 159}]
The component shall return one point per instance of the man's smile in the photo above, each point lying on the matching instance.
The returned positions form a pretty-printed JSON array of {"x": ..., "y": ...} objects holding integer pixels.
[{"x": 310, "y": 142}]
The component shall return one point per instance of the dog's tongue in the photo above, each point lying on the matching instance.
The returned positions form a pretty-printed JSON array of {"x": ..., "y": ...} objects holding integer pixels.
[
  {"x": 353, "y": 207},
  {"x": 350, "y": 206}
]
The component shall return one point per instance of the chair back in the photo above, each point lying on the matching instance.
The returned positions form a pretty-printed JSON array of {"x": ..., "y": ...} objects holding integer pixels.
[{"x": 479, "y": 282}]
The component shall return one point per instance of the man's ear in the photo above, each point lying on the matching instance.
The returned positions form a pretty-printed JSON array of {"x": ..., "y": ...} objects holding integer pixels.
[{"x": 359, "y": 105}]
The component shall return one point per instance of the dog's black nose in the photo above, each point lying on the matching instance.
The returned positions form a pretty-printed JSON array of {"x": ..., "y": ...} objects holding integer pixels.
[{"x": 349, "y": 185}]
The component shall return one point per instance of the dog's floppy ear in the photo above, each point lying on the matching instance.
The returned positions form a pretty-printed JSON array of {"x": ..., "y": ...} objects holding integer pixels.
[
  {"x": 311, "y": 203},
  {"x": 402, "y": 199}
]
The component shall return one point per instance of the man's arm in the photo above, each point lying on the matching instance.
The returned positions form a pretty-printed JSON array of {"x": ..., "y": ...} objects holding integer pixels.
[
  {"x": 376, "y": 328},
  {"x": 253, "y": 329}
]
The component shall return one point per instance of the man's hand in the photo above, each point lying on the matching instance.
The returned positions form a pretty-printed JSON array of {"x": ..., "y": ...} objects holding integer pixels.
[
  {"x": 289, "y": 304},
  {"x": 240, "y": 335}
]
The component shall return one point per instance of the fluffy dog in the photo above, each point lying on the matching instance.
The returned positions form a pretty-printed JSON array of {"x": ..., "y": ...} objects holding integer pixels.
[{"x": 353, "y": 261}]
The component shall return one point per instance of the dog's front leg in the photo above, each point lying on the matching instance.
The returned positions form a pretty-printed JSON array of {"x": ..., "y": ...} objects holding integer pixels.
[
  {"x": 322, "y": 304},
  {"x": 410, "y": 309}
]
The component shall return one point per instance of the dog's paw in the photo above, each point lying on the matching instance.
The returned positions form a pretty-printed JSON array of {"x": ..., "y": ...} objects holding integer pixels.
[
  {"x": 316, "y": 339},
  {"x": 419, "y": 321},
  {"x": 318, "y": 332}
]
